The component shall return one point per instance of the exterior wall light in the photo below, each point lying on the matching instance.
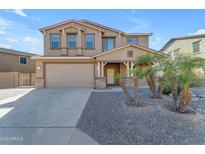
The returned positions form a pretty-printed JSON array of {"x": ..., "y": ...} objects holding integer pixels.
[{"x": 38, "y": 67}]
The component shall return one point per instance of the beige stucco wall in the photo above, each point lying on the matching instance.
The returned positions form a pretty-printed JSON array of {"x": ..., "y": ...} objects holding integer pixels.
[
  {"x": 185, "y": 46},
  {"x": 10, "y": 63},
  {"x": 8, "y": 79},
  {"x": 121, "y": 54},
  {"x": 120, "y": 40},
  {"x": 80, "y": 40}
]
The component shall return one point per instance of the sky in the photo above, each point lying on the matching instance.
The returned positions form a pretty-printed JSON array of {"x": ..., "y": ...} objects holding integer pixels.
[{"x": 19, "y": 29}]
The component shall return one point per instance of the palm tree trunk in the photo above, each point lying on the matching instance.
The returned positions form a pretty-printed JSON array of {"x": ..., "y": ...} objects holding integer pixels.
[
  {"x": 175, "y": 96},
  {"x": 136, "y": 97},
  {"x": 186, "y": 99},
  {"x": 151, "y": 83},
  {"x": 160, "y": 90},
  {"x": 126, "y": 91}
]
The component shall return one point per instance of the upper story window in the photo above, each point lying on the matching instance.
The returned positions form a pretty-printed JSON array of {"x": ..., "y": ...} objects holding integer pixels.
[
  {"x": 196, "y": 47},
  {"x": 89, "y": 41},
  {"x": 72, "y": 41},
  {"x": 133, "y": 40},
  {"x": 55, "y": 41},
  {"x": 23, "y": 60},
  {"x": 108, "y": 43},
  {"x": 176, "y": 52}
]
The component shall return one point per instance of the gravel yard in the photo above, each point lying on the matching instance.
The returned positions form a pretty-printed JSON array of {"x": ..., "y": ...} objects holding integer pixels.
[{"x": 108, "y": 120}]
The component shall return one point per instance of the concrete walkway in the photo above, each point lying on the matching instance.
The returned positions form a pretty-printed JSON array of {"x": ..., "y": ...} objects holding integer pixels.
[{"x": 44, "y": 116}]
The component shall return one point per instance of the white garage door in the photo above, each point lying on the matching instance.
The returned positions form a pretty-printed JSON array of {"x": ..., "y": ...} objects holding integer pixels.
[{"x": 69, "y": 75}]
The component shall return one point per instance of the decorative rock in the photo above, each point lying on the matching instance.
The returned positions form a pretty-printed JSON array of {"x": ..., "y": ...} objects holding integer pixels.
[
  {"x": 100, "y": 83},
  {"x": 39, "y": 82}
]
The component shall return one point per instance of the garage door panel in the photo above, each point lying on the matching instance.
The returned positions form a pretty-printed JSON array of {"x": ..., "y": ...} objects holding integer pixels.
[{"x": 69, "y": 75}]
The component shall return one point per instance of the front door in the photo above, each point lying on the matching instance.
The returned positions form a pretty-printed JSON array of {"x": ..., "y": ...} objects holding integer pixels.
[{"x": 110, "y": 76}]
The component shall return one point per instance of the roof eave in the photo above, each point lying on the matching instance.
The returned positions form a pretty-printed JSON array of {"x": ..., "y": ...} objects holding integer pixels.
[{"x": 142, "y": 34}]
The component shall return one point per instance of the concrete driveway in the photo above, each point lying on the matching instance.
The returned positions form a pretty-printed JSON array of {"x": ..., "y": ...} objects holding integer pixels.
[{"x": 44, "y": 116}]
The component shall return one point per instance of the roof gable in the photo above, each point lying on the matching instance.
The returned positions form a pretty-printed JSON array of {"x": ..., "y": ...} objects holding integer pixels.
[
  {"x": 123, "y": 53},
  {"x": 130, "y": 45},
  {"x": 67, "y": 22},
  {"x": 101, "y": 26}
]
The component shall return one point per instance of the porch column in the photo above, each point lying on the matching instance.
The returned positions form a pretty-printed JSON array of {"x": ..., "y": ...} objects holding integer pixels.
[
  {"x": 102, "y": 68},
  {"x": 79, "y": 43},
  {"x": 132, "y": 66},
  {"x": 63, "y": 43},
  {"x": 127, "y": 64},
  {"x": 98, "y": 69}
]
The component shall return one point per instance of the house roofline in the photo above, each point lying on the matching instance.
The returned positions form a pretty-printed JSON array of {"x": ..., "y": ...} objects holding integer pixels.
[
  {"x": 142, "y": 34},
  {"x": 68, "y": 21},
  {"x": 15, "y": 52},
  {"x": 100, "y": 25},
  {"x": 181, "y": 38}
]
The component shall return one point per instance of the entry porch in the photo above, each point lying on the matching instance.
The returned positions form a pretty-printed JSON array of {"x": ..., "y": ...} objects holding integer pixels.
[{"x": 106, "y": 72}]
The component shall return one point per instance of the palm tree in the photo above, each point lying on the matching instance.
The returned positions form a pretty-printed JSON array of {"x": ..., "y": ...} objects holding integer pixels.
[
  {"x": 134, "y": 99},
  {"x": 145, "y": 63},
  {"x": 180, "y": 73},
  {"x": 186, "y": 65},
  {"x": 125, "y": 89},
  {"x": 170, "y": 78}
]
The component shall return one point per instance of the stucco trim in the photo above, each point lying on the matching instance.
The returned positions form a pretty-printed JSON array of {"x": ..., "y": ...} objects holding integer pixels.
[
  {"x": 61, "y": 58},
  {"x": 138, "y": 34},
  {"x": 71, "y": 26}
]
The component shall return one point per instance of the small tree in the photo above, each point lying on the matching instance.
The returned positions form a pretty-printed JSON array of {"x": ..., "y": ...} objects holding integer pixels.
[
  {"x": 179, "y": 74},
  {"x": 186, "y": 65},
  {"x": 170, "y": 78},
  {"x": 145, "y": 63},
  {"x": 134, "y": 99}
]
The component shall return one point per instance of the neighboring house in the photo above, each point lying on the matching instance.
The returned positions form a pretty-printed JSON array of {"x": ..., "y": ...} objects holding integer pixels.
[
  {"x": 16, "y": 68},
  {"x": 16, "y": 61},
  {"x": 87, "y": 54},
  {"x": 193, "y": 45}
]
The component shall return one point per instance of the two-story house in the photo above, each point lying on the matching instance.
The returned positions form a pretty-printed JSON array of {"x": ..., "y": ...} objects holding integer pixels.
[
  {"x": 193, "y": 45},
  {"x": 87, "y": 54}
]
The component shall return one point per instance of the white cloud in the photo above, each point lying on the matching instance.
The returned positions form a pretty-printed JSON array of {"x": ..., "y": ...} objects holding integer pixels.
[
  {"x": 36, "y": 19},
  {"x": 2, "y": 32},
  {"x": 18, "y": 12},
  {"x": 156, "y": 42},
  {"x": 198, "y": 32},
  {"x": 137, "y": 24},
  {"x": 133, "y": 11},
  {"x": 4, "y": 23},
  {"x": 5, "y": 46},
  {"x": 2, "y": 27},
  {"x": 12, "y": 40},
  {"x": 30, "y": 40}
]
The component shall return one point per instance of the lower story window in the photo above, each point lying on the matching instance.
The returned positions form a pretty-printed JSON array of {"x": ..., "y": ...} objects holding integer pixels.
[{"x": 23, "y": 60}]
